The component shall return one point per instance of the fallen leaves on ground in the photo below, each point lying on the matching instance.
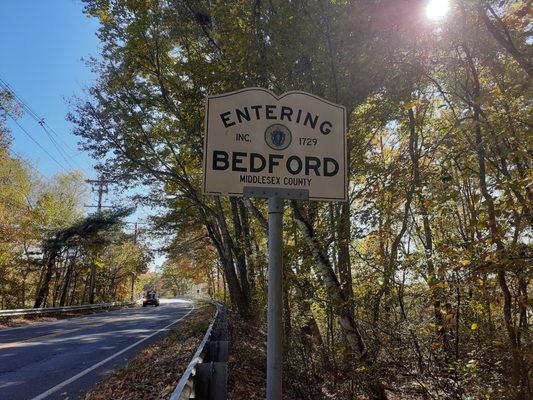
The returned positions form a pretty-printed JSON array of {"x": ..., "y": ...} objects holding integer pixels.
[{"x": 247, "y": 361}]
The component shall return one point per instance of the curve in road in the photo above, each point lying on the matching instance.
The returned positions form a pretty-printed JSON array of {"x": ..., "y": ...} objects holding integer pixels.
[{"x": 62, "y": 359}]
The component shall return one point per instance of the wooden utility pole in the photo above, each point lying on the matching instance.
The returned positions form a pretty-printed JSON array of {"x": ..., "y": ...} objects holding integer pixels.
[
  {"x": 133, "y": 273},
  {"x": 101, "y": 188}
]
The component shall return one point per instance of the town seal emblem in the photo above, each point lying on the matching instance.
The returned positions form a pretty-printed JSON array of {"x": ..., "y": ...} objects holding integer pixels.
[{"x": 278, "y": 137}]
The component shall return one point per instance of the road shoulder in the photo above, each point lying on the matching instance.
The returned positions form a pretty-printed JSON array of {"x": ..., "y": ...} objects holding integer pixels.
[{"x": 156, "y": 370}]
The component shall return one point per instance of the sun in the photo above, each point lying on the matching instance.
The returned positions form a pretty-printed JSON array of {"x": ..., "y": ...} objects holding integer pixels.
[{"x": 437, "y": 9}]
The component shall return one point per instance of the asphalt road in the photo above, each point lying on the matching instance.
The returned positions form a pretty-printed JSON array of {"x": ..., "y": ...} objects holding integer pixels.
[{"x": 63, "y": 359}]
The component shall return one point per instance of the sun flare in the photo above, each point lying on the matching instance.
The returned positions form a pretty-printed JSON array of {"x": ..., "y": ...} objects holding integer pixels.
[{"x": 437, "y": 9}]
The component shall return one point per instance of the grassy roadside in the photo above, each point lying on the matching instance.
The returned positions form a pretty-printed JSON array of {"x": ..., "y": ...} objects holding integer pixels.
[
  {"x": 18, "y": 321},
  {"x": 156, "y": 370}
]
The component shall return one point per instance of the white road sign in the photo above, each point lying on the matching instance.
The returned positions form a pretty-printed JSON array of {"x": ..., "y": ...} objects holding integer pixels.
[{"x": 295, "y": 141}]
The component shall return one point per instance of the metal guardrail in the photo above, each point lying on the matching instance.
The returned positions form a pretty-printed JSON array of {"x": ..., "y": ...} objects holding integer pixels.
[
  {"x": 206, "y": 375},
  {"x": 53, "y": 310}
]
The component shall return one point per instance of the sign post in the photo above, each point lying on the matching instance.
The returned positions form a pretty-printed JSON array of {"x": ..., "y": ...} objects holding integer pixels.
[
  {"x": 288, "y": 147},
  {"x": 275, "y": 300}
]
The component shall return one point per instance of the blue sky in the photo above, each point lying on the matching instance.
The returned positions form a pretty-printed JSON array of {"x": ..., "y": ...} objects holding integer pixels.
[
  {"x": 41, "y": 49},
  {"x": 42, "y": 44}
]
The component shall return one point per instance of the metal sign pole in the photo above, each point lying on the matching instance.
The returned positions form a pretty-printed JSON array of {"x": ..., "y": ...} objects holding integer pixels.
[
  {"x": 276, "y": 201},
  {"x": 275, "y": 301}
]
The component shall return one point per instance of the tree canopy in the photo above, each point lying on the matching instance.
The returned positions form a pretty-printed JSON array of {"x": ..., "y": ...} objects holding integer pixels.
[{"x": 420, "y": 283}]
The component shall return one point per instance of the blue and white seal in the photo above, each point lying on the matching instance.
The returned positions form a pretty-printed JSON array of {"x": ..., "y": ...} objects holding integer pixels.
[{"x": 278, "y": 137}]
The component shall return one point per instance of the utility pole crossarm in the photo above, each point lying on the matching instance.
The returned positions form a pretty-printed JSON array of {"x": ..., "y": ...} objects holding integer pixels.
[{"x": 101, "y": 189}]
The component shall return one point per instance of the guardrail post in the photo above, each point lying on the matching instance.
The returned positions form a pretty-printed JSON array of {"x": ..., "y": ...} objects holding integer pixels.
[
  {"x": 217, "y": 351},
  {"x": 220, "y": 329},
  {"x": 211, "y": 379}
]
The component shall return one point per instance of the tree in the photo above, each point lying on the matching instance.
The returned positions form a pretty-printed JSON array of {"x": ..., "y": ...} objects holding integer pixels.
[
  {"x": 86, "y": 230},
  {"x": 426, "y": 265}
]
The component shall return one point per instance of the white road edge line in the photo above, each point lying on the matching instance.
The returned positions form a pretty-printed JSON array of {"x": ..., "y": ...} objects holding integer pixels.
[{"x": 93, "y": 367}]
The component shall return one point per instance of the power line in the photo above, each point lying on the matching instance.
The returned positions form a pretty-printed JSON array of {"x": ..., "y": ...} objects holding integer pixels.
[
  {"x": 57, "y": 145},
  {"x": 49, "y": 131},
  {"x": 37, "y": 143},
  {"x": 37, "y": 119},
  {"x": 19, "y": 99}
]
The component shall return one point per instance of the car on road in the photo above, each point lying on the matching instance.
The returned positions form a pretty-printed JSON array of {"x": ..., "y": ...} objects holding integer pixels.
[{"x": 151, "y": 299}]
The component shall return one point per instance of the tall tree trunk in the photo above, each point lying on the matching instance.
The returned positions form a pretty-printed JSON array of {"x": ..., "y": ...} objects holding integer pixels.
[
  {"x": 85, "y": 287},
  {"x": 47, "y": 277},
  {"x": 312, "y": 327},
  {"x": 73, "y": 290},
  {"x": 221, "y": 238},
  {"x": 218, "y": 232},
  {"x": 434, "y": 281},
  {"x": 520, "y": 371},
  {"x": 412, "y": 333},
  {"x": 23, "y": 289},
  {"x": 68, "y": 274},
  {"x": 92, "y": 278},
  {"x": 337, "y": 296},
  {"x": 248, "y": 250},
  {"x": 344, "y": 263},
  {"x": 239, "y": 250},
  {"x": 392, "y": 259},
  {"x": 132, "y": 286}
]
